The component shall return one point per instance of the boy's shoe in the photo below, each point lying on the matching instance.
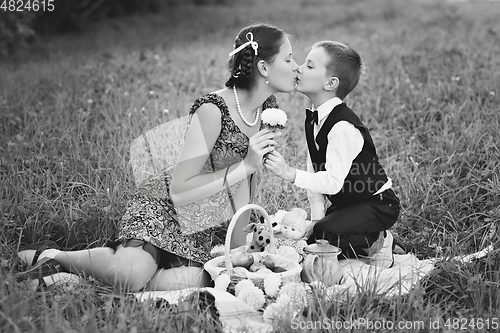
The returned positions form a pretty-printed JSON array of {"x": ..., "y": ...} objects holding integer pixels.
[
  {"x": 398, "y": 248},
  {"x": 384, "y": 258},
  {"x": 376, "y": 246}
]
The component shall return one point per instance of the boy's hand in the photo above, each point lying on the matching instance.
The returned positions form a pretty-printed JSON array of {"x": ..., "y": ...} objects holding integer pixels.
[
  {"x": 275, "y": 162},
  {"x": 309, "y": 229},
  {"x": 259, "y": 145}
]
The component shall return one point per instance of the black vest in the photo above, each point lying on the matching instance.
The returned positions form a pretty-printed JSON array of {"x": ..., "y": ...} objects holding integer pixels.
[{"x": 366, "y": 175}]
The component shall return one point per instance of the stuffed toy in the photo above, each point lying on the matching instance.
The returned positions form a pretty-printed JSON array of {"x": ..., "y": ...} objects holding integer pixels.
[
  {"x": 261, "y": 235},
  {"x": 292, "y": 231}
]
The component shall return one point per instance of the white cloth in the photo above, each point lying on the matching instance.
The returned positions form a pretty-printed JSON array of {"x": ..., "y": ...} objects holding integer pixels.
[
  {"x": 233, "y": 313},
  {"x": 339, "y": 159},
  {"x": 389, "y": 282},
  {"x": 398, "y": 280}
]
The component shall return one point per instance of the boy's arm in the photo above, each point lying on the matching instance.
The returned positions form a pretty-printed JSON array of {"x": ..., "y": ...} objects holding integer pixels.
[
  {"x": 345, "y": 143},
  {"x": 316, "y": 200},
  {"x": 276, "y": 163}
]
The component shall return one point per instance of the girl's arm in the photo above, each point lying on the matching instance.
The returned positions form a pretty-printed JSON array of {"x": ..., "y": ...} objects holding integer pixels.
[{"x": 188, "y": 184}]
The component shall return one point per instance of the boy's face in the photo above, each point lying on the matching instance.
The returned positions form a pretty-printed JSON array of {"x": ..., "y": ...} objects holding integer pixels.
[{"x": 313, "y": 75}]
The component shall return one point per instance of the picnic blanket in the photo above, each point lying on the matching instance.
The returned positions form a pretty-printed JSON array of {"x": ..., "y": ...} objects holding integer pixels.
[
  {"x": 359, "y": 276},
  {"x": 159, "y": 147}
]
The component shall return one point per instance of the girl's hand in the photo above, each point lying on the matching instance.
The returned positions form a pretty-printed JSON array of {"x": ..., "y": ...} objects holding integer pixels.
[
  {"x": 259, "y": 145},
  {"x": 275, "y": 162}
]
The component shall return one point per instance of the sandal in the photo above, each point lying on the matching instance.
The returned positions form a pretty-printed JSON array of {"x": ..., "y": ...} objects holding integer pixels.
[
  {"x": 45, "y": 267},
  {"x": 53, "y": 279},
  {"x": 40, "y": 286},
  {"x": 39, "y": 247}
]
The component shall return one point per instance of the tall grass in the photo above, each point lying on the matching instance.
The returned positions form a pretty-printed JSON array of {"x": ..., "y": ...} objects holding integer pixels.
[{"x": 430, "y": 96}]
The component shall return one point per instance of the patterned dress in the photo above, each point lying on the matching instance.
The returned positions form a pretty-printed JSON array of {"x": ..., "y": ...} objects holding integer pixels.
[{"x": 192, "y": 230}]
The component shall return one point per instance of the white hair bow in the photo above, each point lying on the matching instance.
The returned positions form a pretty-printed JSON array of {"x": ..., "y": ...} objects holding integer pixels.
[{"x": 254, "y": 45}]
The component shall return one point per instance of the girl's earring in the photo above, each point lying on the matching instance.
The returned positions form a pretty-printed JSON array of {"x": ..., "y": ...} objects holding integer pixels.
[{"x": 267, "y": 80}]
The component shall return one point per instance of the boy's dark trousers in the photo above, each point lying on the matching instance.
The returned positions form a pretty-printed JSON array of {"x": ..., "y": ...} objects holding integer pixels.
[{"x": 355, "y": 227}]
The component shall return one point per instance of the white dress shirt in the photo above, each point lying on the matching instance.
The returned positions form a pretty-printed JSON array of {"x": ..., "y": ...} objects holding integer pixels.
[{"x": 339, "y": 158}]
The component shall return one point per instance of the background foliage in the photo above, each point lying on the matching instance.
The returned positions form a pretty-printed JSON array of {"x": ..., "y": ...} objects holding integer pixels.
[{"x": 21, "y": 29}]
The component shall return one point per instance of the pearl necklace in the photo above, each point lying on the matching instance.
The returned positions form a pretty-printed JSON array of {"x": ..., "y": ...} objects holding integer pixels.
[{"x": 249, "y": 124}]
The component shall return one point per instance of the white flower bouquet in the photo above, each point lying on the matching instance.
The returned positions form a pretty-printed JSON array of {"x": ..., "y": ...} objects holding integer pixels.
[
  {"x": 274, "y": 118},
  {"x": 276, "y": 300}
]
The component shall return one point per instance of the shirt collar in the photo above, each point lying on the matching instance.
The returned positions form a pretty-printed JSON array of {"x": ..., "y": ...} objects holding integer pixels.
[{"x": 325, "y": 108}]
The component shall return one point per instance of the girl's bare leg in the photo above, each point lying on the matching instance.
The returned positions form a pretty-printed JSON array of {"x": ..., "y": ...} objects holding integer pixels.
[
  {"x": 130, "y": 268},
  {"x": 179, "y": 278}
]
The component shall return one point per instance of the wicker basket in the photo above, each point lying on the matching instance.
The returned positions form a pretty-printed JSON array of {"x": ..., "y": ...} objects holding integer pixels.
[{"x": 223, "y": 263}]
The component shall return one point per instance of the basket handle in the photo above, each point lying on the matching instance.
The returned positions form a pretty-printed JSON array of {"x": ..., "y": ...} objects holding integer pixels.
[{"x": 230, "y": 229}]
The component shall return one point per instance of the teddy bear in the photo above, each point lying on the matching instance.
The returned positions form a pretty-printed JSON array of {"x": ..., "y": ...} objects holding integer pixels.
[{"x": 293, "y": 227}]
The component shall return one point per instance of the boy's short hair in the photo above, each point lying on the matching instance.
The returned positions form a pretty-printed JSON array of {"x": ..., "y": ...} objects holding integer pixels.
[{"x": 344, "y": 63}]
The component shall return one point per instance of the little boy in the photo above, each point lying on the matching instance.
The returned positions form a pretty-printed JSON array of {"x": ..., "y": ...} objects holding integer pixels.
[{"x": 342, "y": 162}]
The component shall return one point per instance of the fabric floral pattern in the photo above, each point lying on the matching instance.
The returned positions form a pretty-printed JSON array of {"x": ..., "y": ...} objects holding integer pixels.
[
  {"x": 192, "y": 230},
  {"x": 297, "y": 244}
]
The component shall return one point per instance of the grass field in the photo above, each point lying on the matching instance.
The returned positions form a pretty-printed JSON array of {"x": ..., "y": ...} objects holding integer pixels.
[{"x": 430, "y": 95}]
